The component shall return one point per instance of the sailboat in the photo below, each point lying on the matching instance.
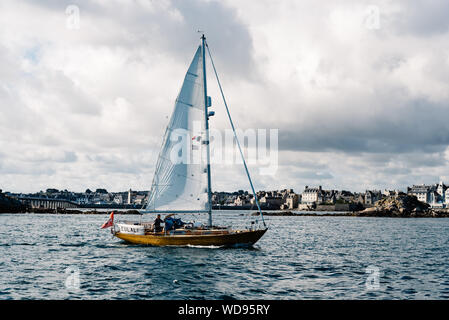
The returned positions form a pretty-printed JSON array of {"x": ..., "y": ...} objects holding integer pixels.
[{"x": 182, "y": 179}]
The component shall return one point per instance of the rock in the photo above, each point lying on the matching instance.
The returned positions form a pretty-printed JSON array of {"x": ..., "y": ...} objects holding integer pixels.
[
  {"x": 401, "y": 205},
  {"x": 369, "y": 210}
]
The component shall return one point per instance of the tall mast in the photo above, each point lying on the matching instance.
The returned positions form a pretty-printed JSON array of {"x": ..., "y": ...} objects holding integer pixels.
[{"x": 206, "y": 118}]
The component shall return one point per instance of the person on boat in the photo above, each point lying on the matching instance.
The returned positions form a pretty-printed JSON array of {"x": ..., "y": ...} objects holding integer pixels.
[
  {"x": 172, "y": 223},
  {"x": 157, "y": 223}
]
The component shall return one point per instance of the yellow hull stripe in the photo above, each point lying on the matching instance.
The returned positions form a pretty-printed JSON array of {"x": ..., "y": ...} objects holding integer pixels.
[{"x": 244, "y": 237}]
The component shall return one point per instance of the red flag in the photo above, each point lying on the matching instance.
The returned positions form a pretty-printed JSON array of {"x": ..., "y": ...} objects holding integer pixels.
[{"x": 110, "y": 222}]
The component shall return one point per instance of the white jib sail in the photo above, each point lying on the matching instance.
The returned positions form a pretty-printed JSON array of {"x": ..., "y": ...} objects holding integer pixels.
[{"x": 180, "y": 179}]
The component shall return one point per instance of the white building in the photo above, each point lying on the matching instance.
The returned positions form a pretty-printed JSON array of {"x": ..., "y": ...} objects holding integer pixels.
[
  {"x": 422, "y": 192},
  {"x": 435, "y": 195},
  {"x": 311, "y": 195}
]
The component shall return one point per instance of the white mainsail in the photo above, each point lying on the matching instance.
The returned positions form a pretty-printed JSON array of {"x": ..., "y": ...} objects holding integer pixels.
[{"x": 180, "y": 179}]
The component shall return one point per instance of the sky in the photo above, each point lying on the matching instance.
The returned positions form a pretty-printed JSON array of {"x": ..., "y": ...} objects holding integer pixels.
[{"x": 358, "y": 90}]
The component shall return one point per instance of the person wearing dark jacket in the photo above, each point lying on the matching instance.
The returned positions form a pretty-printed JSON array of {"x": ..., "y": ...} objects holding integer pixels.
[{"x": 157, "y": 223}]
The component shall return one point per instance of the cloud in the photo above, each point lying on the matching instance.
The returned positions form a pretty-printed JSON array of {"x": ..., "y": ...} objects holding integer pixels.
[
  {"x": 356, "y": 107},
  {"x": 423, "y": 18},
  {"x": 411, "y": 126}
]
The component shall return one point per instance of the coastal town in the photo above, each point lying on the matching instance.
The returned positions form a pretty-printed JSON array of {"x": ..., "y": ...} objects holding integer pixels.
[{"x": 310, "y": 199}]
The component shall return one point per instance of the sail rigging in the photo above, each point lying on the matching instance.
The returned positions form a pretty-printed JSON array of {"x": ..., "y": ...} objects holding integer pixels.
[
  {"x": 182, "y": 178},
  {"x": 180, "y": 182}
]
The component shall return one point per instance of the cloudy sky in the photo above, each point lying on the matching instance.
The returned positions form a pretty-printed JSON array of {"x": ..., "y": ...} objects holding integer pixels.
[{"x": 359, "y": 90}]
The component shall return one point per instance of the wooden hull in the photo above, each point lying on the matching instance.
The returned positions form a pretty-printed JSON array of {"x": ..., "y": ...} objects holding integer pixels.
[{"x": 236, "y": 238}]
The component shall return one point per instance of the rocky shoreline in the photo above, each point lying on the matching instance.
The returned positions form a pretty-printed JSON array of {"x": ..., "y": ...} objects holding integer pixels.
[{"x": 397, "y": 206}]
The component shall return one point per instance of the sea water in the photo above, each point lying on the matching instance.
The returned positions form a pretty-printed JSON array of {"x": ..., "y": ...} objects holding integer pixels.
[{"x": 44, "y": 256}]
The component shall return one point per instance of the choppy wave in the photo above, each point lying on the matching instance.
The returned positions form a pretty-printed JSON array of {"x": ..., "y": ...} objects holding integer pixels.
[{"x": 298, "y": 258}]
